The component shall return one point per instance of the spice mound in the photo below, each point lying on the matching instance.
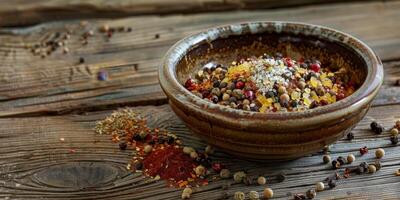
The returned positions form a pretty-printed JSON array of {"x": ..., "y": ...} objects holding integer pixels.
[
  {"x": 271, "y": 84},
  {"x": 159, "y": 154}
]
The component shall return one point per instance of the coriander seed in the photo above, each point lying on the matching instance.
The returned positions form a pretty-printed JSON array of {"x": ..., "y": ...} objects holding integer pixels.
[
  {"x": 341, "y": 160},
  {"x": 224, "y": 173},
  {"x": 239, "y": 196},
  {"x": 148, "y": 149},
  {"x": 253, "y": 195},
  {"x": 320, "y": 186},
  {"x": 331, "y": 183},
  {"x": 311, "y": 194},
  {"x": 326, "y": 159},
  {"x": 261, "y": 180},
  {"x": 379, "y": 153},
  {"x": 193, "y": 155},
  {"x": 239, "y": 176},
  {"x": 351, "y": 158},
  {"x": 335, "y": 164},
  {"x": 268, "y": 193}
]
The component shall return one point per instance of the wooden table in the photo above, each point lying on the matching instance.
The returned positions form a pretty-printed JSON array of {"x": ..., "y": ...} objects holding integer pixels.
[{"x": 46, "y": 99}]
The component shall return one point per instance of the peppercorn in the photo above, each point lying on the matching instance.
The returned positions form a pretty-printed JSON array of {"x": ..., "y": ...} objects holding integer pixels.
[
  {"x": 326, "y": 159},
  {"x": 224, "y": 173},
  {"x": 261, "y": 180},
  {"x": 268, "y": 193},
  {"x": 102, "y": 75},
  {"x": 217, "y": 167},
  {"x": 350, "y": 136},
  {"x": 363, "y": 150},
  {"x": 377, "y": 164},
  {"x": 200, "y": 170},
  {"x": 299, "y": 197},
  {"x": 138, "y": 165},
  {"x": 341, "y": 160},
  {"x": 320, "y": 186},
  {"x": 239, "y": 176},
  {"x": 226, "y": 185},
  {"x": 351, "y": 158},
  {"x": 335, "y": 164},
  {"x": 379, "y": 153},
  {"x": 186, "y": 193},
  {"x": 360, "y": 170},
  {"x": 397, "y": 124},
  {"x": 311, "y": 194},
  {"x": 123, "y": 145},
  {"x": 253, "y": 195},
  {"x": 394, "y": 131},
  {"x": 331, "y": 183},
  {"x": 379, "y": 129},
  {"x": 81, "y": 60},
  {"x": 239, "y": 196},
  {"x": 147, "y": 149}
]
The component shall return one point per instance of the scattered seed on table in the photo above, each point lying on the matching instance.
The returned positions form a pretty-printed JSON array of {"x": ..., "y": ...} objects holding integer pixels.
[
  {"x": 299, "y": 197},
  {"x": 341, "y": 160},
  {"x": 122, "y": 145},
  {"x": 225, "y": 173},
  {"x": 261, "y": 180},
  {"x": 102, "y": 75},
  {"x": 268, "y": 193},
  {"x": 379, "y": 153},
  {"x": 397, "y": 172},
  {"x": 373, "y": 125},
  {"x": 394, "y": 139},
  {"x": 239, "y": 176},
  {"x": 335, "y": 164},
  {"x": 193, "y": 155},
  {"x": 371, "y": 169},
  {"x": 331, "y": 183},
  {"x": 239, "y": 196},
  {"x": 351, "y": 158},
  {"x": 377, "y": 164},
  {"x": 363, "y": 150},
  {"x": 253, "y": 195},
  {"x": 186, "y": 193},
  {"x": 81, "y": 60},
  {"x": 311, "y": 194},
  {"x": 326, "y": 159},
  {"x": 281, "y": 176},
  {"x": 187, "y": 150},
  {"x": 350, "y": 136},
  {"x": 394, "y": 131},
  {"x": 320, "y": 186}
]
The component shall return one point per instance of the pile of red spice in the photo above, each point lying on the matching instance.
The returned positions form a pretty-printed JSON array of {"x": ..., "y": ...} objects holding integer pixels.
[{"x": 159, "y": 153}]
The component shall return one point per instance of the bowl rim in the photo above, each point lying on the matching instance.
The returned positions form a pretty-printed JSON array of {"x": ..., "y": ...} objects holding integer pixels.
[{"x": 168, "y": 77}]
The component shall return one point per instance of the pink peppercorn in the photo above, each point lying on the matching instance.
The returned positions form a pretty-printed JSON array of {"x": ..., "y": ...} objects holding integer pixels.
[
  {"x": 217, "y": 167},
  {"x": 363, "y": 150},
  {"x": 315, "y": 67},
  {"x": 239, "y": 85},
  {"x": 289, "y": 62},
  {"x": 249, "y": 94}
]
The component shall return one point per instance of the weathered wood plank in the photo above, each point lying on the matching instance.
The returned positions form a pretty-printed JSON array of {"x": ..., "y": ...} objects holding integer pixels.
[
  {"x": 33, "y": 161},
  {"x": 23, "y": 12},
  {"x": 58, "y": 83}
]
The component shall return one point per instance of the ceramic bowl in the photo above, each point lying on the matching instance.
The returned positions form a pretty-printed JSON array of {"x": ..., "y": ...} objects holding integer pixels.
[{"x": 280, "y": 135}]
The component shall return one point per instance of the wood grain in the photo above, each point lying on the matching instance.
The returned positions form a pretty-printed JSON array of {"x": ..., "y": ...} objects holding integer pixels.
[
  {"x": 58, "y": 83},
  {"x": 24, "y": 12},
  {"x": 36, "y": 164}
]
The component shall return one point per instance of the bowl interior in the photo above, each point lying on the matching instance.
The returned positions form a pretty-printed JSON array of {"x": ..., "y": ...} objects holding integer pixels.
[{"x": 224, "y": 50}]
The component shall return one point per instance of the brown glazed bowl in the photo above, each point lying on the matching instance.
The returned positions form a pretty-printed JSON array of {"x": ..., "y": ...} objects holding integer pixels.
[{"x": 280, "y": 135}]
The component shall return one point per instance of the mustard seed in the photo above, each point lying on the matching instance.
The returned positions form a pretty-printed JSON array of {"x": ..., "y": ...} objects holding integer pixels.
[
  {"x": 379, "y": 153},
  {"x": 268, "y": 193},
  {"x": 320, "y": 186},
  {"x": 239, "y": 196},
  {"x": 341, "y": 160},
  {"x": 261, "y": 180}
]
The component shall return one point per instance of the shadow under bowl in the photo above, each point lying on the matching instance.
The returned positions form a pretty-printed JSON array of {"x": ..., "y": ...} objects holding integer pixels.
[{"x": 279, "y": 135}]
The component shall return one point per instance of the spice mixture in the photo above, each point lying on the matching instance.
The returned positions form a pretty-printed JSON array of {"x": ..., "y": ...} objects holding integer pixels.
[{"x": 271, "y": 84}]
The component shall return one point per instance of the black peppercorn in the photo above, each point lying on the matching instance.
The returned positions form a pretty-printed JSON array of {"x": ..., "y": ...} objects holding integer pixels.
[
  {"x": 373, "y": 125},
  {"x": 331, "y": 183},
  {"x": 81, "y": 60},
  {"x": 335, "y": 164},
  {"x": 360, "y": 170},
  {"x": 379, "y": 129},
  {"x": 364, "y": 165},
  {"x": 122, "y": 145},
  {"x": 138, "y": 165},
  {"x": 341, "y": 160},
  {"x": 394, "y": 139},
  {"x": 350, "y": 136},
  {"x": 378, "y": 165}
]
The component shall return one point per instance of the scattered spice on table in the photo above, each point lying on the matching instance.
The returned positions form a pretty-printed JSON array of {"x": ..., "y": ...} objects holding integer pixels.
[{"x": 271, "y": 84}]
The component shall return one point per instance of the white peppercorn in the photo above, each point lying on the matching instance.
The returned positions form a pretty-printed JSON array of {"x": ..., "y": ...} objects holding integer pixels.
[
  {"x": 320, "y": 186},
  {"x": 351, "y": 158},
  {"x": 261, "y": 180}
]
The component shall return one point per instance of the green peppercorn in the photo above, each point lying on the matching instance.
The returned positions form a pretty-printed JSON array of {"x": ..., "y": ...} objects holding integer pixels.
[{"x": 320, "y": 186}]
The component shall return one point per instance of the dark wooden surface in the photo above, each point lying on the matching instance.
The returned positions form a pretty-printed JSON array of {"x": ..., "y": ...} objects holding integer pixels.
[{"x": 43, "y": 100}]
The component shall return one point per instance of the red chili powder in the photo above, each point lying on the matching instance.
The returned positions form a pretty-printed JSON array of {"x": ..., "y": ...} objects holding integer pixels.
[{"x": 169, "y": 163}]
